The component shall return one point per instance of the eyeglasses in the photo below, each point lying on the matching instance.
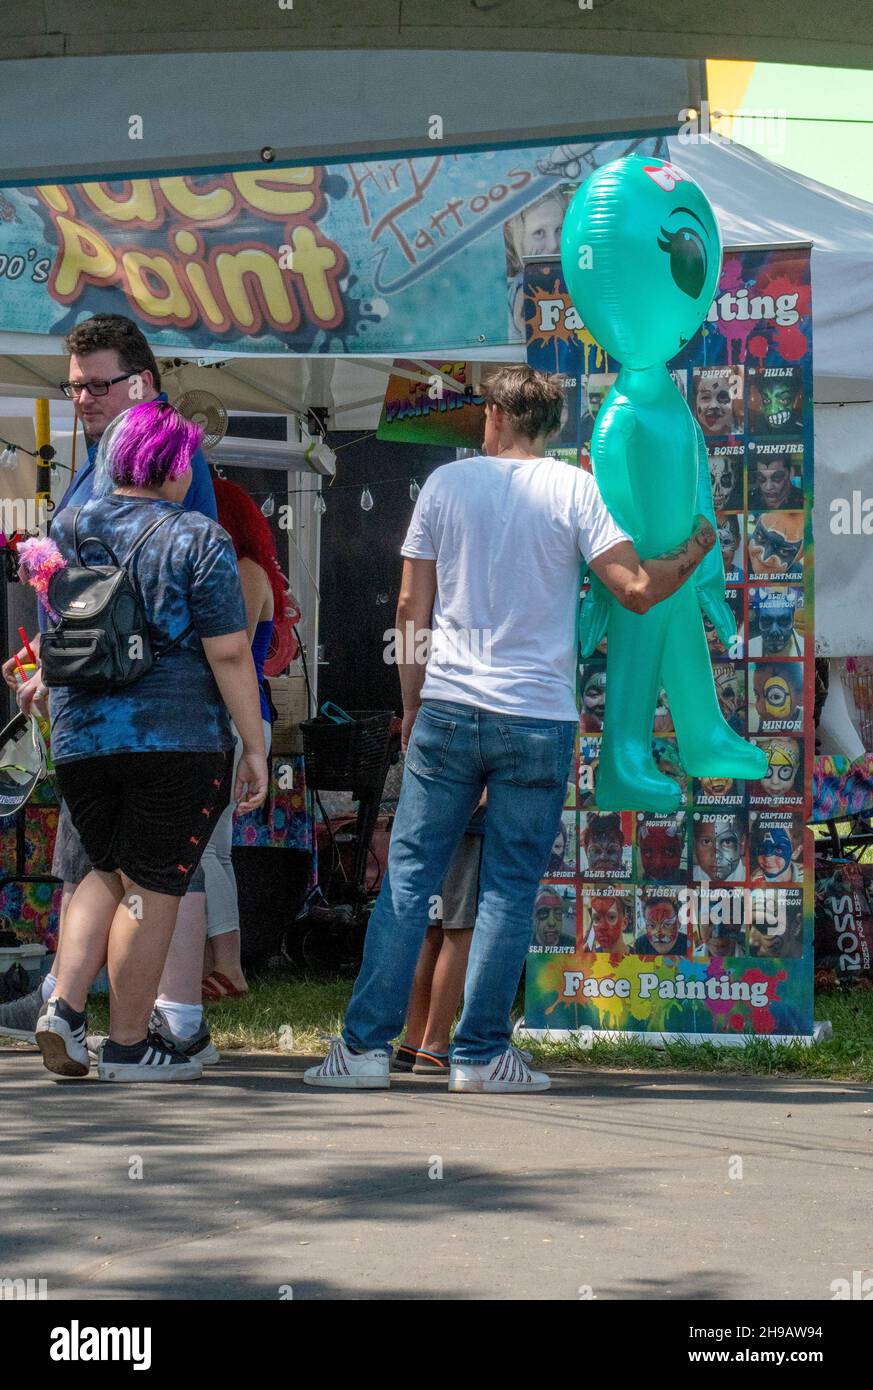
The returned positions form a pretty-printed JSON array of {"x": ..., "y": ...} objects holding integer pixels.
[{"x": 72, "y": 389}]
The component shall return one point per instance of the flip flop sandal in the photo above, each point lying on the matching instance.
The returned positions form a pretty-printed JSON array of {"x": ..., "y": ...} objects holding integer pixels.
[
  {"x": 218, "y": 986},
  {"x": 426, "y": 1063},
  {"x": 404, "y": 1059}
]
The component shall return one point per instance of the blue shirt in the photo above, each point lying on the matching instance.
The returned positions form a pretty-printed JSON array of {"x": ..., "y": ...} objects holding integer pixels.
[
  {"x": 200, "y": 496},
  {"x": 186, "y": 573}
]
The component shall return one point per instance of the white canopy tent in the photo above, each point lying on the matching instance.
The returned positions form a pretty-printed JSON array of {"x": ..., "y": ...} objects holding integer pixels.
[{"x": 757, "y": 202}]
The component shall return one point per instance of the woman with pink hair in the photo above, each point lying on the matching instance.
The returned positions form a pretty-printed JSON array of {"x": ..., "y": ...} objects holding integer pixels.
[{"x": 146, "y": 768}]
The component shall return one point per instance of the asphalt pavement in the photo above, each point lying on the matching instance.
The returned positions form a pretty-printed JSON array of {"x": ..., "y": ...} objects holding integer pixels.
[{"x": 613, "y": 1185}]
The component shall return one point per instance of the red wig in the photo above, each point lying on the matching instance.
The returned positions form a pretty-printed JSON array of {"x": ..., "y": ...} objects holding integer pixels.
[{"x": 252, "y": 538}]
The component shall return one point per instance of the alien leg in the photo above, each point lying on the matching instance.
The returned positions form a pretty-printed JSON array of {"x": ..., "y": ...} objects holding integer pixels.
[
  {"x": 708, "y": 746},
  {"x": 627, "y": 775}
]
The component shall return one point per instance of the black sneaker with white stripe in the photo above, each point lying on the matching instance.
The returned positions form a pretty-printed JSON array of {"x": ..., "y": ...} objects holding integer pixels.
[
  {"x": 199, "y": 1047},
  {"x": 19, "y": 1017},
  {"x": 60, "y": 1037},
  {"x": 151, "y": 1060}
]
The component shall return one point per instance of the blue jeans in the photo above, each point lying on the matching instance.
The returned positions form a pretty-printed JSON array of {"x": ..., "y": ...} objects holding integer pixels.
[{"x": 456, "y": 750}]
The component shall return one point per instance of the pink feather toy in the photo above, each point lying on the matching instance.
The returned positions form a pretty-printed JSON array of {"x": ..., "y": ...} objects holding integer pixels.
[{"x": 38, "y": 560}]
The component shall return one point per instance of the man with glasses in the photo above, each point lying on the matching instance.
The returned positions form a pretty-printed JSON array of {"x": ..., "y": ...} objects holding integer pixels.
[{"x": 111, "y": 369}]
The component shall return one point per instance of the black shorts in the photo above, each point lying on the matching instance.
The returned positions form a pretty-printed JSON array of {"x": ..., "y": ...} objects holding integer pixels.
[{"x": 150, "y": 815}]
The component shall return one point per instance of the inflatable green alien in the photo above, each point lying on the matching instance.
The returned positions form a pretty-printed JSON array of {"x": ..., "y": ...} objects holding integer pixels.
[{"x": 641, "y": 254}]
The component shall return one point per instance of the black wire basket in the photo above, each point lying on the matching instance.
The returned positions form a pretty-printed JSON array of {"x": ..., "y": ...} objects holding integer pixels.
[{"x": 346, "y": 756}]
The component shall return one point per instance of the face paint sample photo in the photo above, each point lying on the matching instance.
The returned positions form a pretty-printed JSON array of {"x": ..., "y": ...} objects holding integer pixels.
[
  {"x": 775, "y": 928},
  {"x": 554, "y": 920},
  {"x": 607, "y": 921},
  {"x": 726, "y": 463},
  {"x": 775, "y": 473},
  {"x": 718, "y": 400},
  {"x": 719, "y": 847},
  {"x": 731, "y": 531},
  {"x": 606, "y": 844},
  {"x": 730, "y": 689},
  {"x": 721, "y": 923},
  {"x": 592, "y": 696},
  {"x": 775, "y": 545},
  {"x": 783, "y": 783},
  {"x": 595, "y": 389},
  {"x": 734, "y": 600},
  {"x": 721, "y": 792},
  {"x": 661, "y": 848},
  {"x": 777, "y": 847},
  {"x": 562, "y": 859},
  {"x": 589, "y": 756},
  {"x": 536, "y": 231},
  {"x": 776, "y": 697},
  {"x": 775, "y": 400},
  {"x": 660, "y": 923},
  {"x": 775, "y": 618}
]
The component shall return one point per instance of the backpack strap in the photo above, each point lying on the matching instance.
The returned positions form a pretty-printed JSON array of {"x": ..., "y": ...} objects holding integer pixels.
[
  {"x": 95, "y": 540},
  {"x": 141, "y": 540}
]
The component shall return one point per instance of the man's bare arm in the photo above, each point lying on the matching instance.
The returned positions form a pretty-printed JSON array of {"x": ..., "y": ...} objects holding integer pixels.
[
  {"x": 639, "y": 585},
  {"x": 414, "y": 620}
]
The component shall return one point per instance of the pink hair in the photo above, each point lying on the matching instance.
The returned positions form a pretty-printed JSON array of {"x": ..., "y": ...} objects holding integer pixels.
[{"x": 152, "y": 443}]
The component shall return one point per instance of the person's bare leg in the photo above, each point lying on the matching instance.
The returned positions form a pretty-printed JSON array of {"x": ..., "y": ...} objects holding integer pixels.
[
  {"x": 226, "y": 958},
  {"x": 139, "y": 939},
  {"x": 182, "y": 980},
  {"x": 87, "y": 921},
  {"x": 419, "y": 998},
  {"x": 447, "y": 988}
]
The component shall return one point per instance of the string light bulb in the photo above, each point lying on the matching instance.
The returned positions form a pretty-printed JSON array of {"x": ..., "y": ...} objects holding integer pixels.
[
  {"x": 269, "y": 506},
  {"x": 366, "y": 500},
  {"x": 9, "y": 457},
  {"x": 319, "y": 506},
  {"x": 414, "y": 489}
]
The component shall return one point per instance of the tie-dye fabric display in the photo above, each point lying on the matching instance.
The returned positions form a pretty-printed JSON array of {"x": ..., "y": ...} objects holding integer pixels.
[{"x": 701, "y": 923}]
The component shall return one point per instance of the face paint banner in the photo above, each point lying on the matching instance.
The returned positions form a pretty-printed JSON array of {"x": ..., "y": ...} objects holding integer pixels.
[
  {"x": 400, "y": 255},
  {"x": 699, "y": 924}
]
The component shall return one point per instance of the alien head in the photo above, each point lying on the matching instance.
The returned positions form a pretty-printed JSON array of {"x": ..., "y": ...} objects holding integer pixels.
[{"x": 641, "y": 254}]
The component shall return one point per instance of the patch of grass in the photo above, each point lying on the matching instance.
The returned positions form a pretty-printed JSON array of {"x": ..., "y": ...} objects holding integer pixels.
[{"x": 314, "y": 1008}]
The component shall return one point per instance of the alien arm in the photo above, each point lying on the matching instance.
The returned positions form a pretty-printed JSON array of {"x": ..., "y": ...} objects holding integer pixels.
[{"x": 709, "y": 581}]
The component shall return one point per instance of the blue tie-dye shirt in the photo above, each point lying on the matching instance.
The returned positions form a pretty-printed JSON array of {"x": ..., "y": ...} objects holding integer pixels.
[{"x": 186, "y": 574}]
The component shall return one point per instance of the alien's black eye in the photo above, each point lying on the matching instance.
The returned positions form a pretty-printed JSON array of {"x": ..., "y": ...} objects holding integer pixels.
[{"x": 687, "y": 259}]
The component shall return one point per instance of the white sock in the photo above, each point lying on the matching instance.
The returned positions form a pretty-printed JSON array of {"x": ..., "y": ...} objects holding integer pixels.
[
  {"x": 49, "y": 985},
  {"x": 184, "y": 1019}
]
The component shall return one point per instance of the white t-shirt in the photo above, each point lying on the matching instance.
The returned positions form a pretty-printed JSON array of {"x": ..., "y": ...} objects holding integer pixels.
[{"x": 508, "y": 536}]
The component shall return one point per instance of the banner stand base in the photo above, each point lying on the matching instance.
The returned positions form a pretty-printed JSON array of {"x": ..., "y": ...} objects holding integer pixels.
[{"x": 586, "y": 1037}]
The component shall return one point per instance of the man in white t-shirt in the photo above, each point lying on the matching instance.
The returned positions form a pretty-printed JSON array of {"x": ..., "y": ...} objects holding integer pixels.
[{"x": 491, "y": 574}]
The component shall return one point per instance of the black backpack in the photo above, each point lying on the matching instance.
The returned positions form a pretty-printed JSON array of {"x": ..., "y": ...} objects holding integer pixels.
[{"x": 102, "y": 639}]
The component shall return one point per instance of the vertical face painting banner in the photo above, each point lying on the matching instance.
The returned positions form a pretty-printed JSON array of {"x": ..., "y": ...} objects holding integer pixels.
[
  {"x": 392, "y": 255},
  {"x": 700, "y": 922}
]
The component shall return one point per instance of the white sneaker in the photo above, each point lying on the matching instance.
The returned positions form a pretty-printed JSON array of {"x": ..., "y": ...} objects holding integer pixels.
[
  {"x": 507, "y": 1073},
  {"x": 61, "y": 1042},
  {"x": 351, "y": 1070}
]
